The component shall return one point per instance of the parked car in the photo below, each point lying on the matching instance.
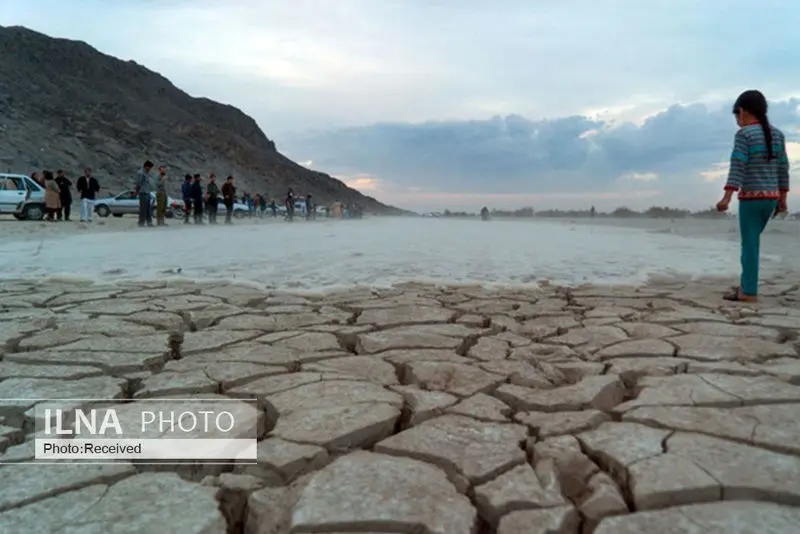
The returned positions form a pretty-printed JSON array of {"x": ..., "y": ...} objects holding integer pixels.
[
  {"x": 127, "y": 203},
  {"x": 176, "y": 209},
  {"x": 239, "y": 209},
  {"x": 299, "y": 208},
  {"x": 21, "y": 197}
]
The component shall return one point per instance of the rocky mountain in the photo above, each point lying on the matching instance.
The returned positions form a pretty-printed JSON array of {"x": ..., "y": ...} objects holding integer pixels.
[{"x": 65, "y": 105}]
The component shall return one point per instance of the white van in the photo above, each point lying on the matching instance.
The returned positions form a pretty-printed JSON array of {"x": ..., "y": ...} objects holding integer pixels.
[{"x": 21, "y": 197}]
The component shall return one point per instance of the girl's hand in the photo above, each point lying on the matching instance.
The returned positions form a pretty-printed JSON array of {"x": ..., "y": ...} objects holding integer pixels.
[{"x": 722, "y": 205}]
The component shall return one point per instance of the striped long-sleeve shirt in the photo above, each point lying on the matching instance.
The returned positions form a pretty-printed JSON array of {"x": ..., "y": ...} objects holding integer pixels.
[{"x": 751, "y": 173}]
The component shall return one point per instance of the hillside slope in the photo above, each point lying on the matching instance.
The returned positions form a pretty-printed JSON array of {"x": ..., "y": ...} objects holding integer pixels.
[{"x": 65, "y": 105}]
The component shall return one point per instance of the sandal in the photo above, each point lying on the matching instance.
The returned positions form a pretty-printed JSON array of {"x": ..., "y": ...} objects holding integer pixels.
[{"x": 736, "y": 295}]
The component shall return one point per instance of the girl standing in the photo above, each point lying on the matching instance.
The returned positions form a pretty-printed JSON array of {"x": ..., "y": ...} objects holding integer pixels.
[
  {"x": 759, "y": 171},
  {"x": 52, "y": 195}
]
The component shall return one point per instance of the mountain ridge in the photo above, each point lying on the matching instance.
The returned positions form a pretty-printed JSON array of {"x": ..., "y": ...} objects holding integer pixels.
[{"x": 64, "y": 104}]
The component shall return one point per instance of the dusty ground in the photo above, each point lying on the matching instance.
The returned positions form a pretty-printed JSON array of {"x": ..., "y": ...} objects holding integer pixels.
[
  {"x": 421, "y": 409},
  {"x": 13, "y": 230}
]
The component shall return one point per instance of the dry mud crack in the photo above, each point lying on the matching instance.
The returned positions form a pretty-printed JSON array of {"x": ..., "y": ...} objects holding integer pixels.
[{"x": 605, "y": 410}]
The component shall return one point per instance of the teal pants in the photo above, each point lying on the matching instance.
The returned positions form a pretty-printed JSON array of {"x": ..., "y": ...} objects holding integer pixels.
[{"x": 753, "y": 218}]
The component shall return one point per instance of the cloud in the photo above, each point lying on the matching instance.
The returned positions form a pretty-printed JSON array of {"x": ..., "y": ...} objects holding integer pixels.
[
  {"x": 587, "y": 98},
  {"x": 311, "y": 63},
  {"x": 641, "y": 176},
  {"x": 683, "y": 149},
  {"x": 363, "y": 183},
  {"x": 718, "y": 172}
]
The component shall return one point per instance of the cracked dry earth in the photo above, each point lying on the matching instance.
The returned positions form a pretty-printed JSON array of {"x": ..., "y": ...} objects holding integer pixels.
[{"x": 420, "y": 409}]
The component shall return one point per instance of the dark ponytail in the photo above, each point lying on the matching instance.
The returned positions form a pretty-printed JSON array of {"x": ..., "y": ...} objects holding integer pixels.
[
  {"x": 767, "y": 129},
  {"x": 755, "y": 103}
]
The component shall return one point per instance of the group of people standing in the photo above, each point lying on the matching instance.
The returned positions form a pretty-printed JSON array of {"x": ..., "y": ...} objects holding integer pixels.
[
  {"x": 198, "y": 199},
  {"x": 290, "y": 204},
  {"x": 58, "y": 194},
  {"x": 195, "y": 198}
]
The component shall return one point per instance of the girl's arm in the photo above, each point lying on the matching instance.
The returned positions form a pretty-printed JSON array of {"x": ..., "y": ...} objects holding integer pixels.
[
  {"x": 783, "y": 170},
  {"x": 739, "y": 160}
]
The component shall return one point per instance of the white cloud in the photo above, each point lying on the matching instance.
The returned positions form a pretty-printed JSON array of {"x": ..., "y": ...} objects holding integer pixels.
[
  {"x": 362, "y": 182},
  {"x": 640, "y": 176},
  {"x": 683, "y": 148},
  {"x": 716, "y": 173},
  {"x": 793, "y": 151},
  {"x": 306, "y": 63},
  {"x": 598, "y": 79}
]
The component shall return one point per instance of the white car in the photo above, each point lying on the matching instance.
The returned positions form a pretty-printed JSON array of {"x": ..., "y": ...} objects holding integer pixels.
[
  {"x": 21, "y": 197},
  {"x": 239, "y": 209},
  {"x": 127, "y": 202}
]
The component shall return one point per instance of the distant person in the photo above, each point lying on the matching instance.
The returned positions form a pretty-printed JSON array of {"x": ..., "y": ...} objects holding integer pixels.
[
  {"x": 197, "y": 199},
  {"x": 186, "y": 192},
  {"x": 309, "y": 208},
  {"x": 52, "y": 196},
  {"x": 87, "y": 187},
  {"x": 250, "y": 204},
  {"x": 759, "y": 170},
  {"x": 485, "y": 213},
  {"x": 592, "y": 212},
  {"x": 161, "y": 197},
  {"x": 144, "y": 183},
  {"x": 212, "y": 198},
  {"x": 65, "y": 195},
  {"x": 289, "y": 205},
  {"x": 256, "y": 204},
  {"x": 262, "y": 202},
  {"x": 228, "y": 197},
  {"x": 274, "y": 208},
  {"x": 36, "y": 178}
]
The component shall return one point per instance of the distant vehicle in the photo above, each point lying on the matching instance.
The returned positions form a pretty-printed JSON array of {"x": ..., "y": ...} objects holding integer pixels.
[
  {"x": 299, "y": 208},
  {"x": 239, "y": 208},
  {"x": 21, "y": 197},
  {"x": 127, "y": 203}
]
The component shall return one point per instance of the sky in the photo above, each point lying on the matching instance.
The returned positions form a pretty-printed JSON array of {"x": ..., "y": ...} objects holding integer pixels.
[{"x": 455, "y": 104}]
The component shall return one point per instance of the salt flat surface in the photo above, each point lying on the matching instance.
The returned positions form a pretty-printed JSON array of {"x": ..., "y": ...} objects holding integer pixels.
[{"x": 383, "y": 251}]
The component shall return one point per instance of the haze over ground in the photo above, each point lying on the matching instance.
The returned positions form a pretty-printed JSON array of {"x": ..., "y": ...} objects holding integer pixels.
[{"x": 441, "y": 104}]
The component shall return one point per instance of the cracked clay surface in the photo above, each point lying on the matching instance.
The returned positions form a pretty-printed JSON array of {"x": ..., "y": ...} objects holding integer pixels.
[{"x": 436, "y": 410}]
